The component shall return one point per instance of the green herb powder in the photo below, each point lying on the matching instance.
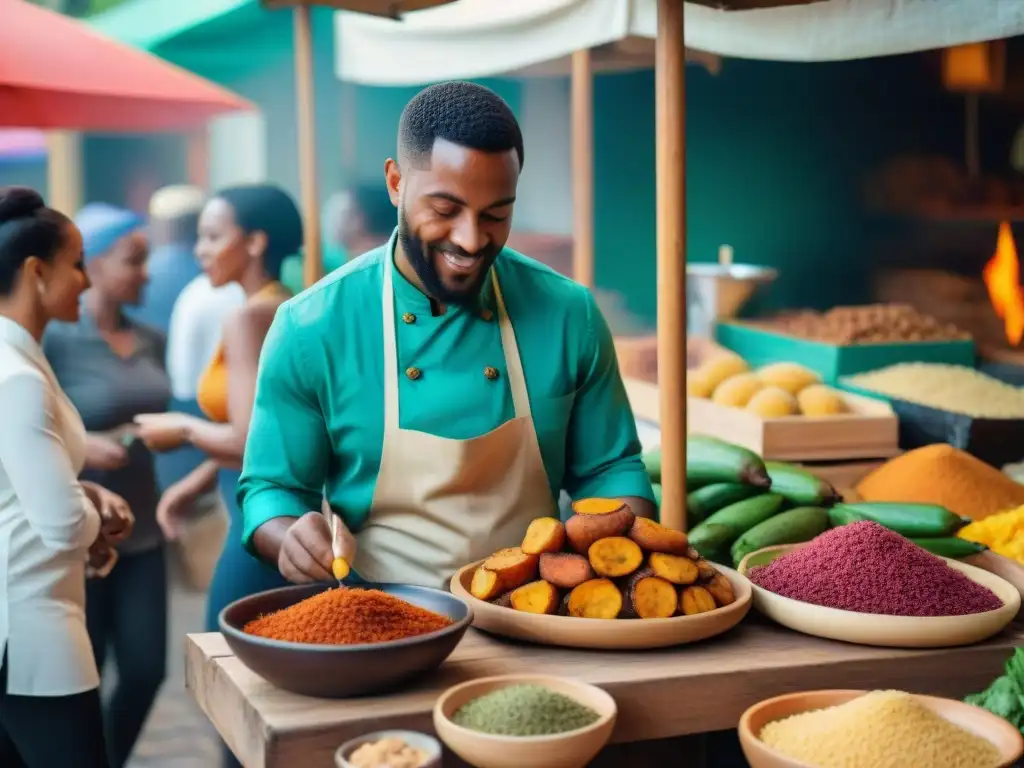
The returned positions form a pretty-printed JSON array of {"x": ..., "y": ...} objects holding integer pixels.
[{"x": 524, "y": 710}]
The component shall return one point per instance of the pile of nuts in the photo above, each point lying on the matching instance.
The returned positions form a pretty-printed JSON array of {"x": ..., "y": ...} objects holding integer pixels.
[{"x": 871, "y": 324}]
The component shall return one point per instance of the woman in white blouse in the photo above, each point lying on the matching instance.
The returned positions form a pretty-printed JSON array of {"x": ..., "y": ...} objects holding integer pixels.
[{"x": 50, "y": 524}]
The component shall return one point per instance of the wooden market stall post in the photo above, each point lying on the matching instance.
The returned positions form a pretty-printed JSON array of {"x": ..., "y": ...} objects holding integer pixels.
[
  {"x": 582, "y": 119},
  {"x": 670, "y": 161},
  {"x": 305, "y": 108}
]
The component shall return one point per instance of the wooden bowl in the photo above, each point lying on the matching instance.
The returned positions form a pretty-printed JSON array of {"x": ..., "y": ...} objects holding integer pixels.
[
  {"x": 574, "y": 749},
  {"x": 414, "y": 739},
  {"x": 1004, "y": 736},
  {"x": 628, "y": 634},
  {"x": 882, "y": 630},
  {"x": 340, "y": 671}
]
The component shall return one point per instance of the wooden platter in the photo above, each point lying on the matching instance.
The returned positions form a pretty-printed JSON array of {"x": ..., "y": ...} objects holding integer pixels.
[
  {"x": 880, "y": 630},
  {"x": 625, "y": 634}
]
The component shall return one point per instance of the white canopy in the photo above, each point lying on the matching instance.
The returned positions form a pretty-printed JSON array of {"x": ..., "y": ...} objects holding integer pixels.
[{"x": 483, "y": 38}]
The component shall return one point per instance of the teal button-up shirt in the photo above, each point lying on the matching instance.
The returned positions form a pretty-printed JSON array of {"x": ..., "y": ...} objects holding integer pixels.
[{"x": 318, "y": 420}]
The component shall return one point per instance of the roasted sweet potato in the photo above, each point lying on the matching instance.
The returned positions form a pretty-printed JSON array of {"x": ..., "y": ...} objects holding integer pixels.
[
  {"x": 647, "y": 596},
  {"x": 694, "y": 600},
  {"x": 615, "y": 556},
  {"x": 535, "y": 597},
  {"x": 721, "y": 589},
  {"x": 673, "y": 568},
  {"x": 565, "y": 570},
  {"x": 655, "y": 537},
  {"x": 513, "y": 566},
  {"x": 597, "y": 519},
  {"x": 545, "y": 534},
  {"x": 595, "y": 599},
  {"x": 706, "y": 569},
  {"x": 486, "y": 584}
]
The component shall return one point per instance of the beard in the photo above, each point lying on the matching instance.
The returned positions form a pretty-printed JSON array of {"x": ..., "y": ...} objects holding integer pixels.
[{"x": 423, "y": 257}]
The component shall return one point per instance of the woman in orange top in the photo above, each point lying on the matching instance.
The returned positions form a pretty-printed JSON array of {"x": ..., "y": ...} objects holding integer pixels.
[{"x": 245, "y": 233}]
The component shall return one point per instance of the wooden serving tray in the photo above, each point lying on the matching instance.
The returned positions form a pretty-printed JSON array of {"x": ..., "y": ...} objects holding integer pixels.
[
  {"x": 605, "y": 634},
  {"x": 871, "y": 431}
]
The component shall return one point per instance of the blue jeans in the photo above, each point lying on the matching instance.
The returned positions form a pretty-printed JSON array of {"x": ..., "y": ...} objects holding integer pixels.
[{"x": 126, "y": 614}]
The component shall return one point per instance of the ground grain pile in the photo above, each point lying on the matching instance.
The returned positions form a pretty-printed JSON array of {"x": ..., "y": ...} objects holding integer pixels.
[
  {"x": 953, "y": 388},
  {"x": 882, "y": 729}
]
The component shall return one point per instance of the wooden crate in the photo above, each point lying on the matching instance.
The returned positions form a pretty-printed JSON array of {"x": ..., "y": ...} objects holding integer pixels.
[{"x": 870, "y": 432}]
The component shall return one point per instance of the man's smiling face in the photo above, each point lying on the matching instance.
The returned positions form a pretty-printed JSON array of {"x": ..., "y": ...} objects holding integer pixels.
[{"x": 455, "y": 214}]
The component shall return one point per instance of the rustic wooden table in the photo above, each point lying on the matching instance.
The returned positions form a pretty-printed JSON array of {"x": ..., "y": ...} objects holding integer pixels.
[{"x": 661, "y": 694}]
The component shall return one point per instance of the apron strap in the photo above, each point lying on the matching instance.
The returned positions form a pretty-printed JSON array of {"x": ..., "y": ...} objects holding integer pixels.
[
  {"x": 390, "y": 348},
  {"x": 513, "y": 361}
]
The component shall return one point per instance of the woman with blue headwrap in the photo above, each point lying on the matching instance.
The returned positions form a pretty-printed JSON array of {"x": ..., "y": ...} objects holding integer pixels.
[
  {"x": 245, "y": 233},
  {"x": 112, "y": 369}
]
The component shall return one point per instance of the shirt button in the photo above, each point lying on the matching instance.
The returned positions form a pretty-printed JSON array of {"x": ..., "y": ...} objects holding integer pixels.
[
  {"x": 491, "y": 372},
  {"x": 409, "y": 318},
  {"x": 486, "y": 315},
  {"x": 413, "y": 373}
]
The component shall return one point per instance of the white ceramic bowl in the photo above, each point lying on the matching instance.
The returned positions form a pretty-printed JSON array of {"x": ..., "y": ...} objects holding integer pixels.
[
  {"x": 879, "y": 629},
  {"x": 414, "y": 739},
  {"x": 574, "y": 749}
]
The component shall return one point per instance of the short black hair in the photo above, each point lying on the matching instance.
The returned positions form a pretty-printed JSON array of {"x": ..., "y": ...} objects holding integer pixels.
[
  {"x": 27, "y": 228},
  {"x": 466, "y": 114},
  {"x": 268, "y": 209}
]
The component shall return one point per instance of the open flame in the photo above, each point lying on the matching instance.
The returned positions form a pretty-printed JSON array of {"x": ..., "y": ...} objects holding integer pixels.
[{"x": 1002, "y": 278}]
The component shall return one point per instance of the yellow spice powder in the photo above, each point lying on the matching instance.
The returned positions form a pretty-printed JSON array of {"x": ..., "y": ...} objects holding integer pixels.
[
  {"x": 882, "y": 729},
  {"x": 1002, "y": 533}
]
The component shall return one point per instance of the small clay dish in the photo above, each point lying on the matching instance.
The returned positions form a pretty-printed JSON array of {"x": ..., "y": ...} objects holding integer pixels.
[
  {"x": 340, "y": 671},
  {"x": 414, "y": 739},
  {"x": 1000, "y": 733},
  {"x": 573, "y": 749}
]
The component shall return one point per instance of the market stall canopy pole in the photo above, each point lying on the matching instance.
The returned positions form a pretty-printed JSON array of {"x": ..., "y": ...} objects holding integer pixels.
[
  {"x": 305, "y": 107},
  {"x": 670, "y": 129},
  {"x": 583, "y": 168},
  {"x": 57, "y": 73}
]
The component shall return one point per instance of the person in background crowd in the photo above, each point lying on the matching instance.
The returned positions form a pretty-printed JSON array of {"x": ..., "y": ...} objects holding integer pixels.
[
  {"x": 244, "y": 235},
  {"x": 196, "y": 322},
  {"x": 112, "y": 368},
  {"x": 52, "y": 526},
  {"x": 355, "y": 220},
  {"x": 173, "y": 217}
]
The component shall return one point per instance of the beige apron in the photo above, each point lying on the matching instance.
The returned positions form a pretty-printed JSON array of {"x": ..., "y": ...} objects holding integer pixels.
[{"x": 441, "y": 503}]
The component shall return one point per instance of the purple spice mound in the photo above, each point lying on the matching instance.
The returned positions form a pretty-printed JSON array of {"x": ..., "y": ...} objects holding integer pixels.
[{"x": 866, "y": 568}]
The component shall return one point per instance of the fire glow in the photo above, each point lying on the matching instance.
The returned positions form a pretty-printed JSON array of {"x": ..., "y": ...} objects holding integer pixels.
[{"x": 1002, "y": 278}]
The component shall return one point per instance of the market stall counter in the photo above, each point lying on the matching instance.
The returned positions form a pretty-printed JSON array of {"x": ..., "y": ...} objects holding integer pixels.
[{"x": 660, "y": 694}]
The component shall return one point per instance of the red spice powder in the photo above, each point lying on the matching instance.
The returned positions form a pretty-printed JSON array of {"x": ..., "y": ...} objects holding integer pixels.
[
  {"x": 866, "y": 568},
  {"x": 347, "y": 617}
]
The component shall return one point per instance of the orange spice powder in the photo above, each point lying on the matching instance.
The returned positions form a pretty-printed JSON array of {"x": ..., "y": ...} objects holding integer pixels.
[{"x": 347, "y": 617}]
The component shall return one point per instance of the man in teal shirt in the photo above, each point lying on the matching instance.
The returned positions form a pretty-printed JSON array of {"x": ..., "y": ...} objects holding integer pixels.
[{"x": 437, "y": 392}]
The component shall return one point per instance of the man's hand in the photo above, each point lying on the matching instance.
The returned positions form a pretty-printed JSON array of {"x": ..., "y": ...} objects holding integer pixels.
[
  {"x": 306, "y": 552},
  {"x": 116, "y": 518}
]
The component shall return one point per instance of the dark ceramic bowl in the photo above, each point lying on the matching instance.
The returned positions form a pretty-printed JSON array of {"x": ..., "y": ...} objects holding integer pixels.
[{"x": 340, "y": 671}]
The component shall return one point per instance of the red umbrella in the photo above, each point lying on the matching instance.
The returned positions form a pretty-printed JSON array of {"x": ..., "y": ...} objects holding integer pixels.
[{"x": 57, "y": 73}]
